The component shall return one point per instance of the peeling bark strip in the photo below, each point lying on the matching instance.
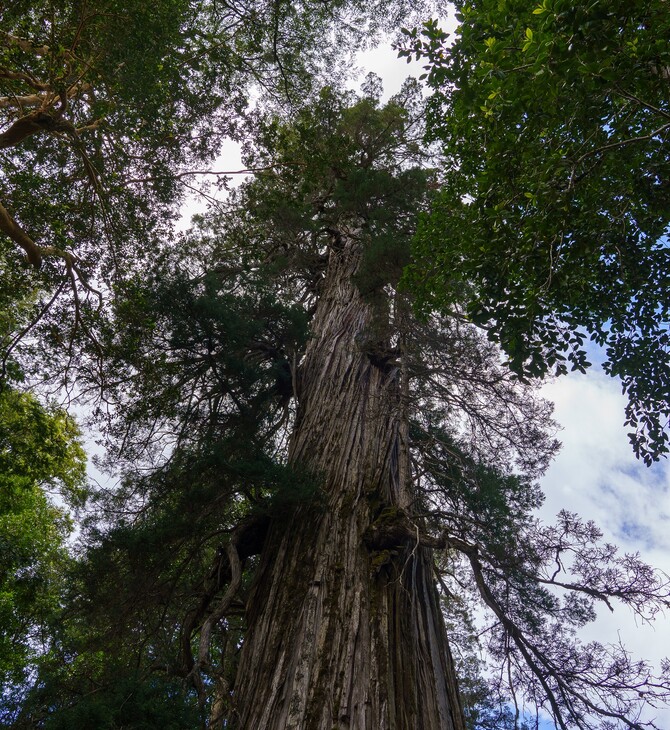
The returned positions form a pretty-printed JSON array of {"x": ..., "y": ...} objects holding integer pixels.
[{"x": 341, "y": 635}]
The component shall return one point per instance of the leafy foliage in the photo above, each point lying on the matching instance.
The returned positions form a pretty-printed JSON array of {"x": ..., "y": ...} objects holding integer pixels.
[
  {"x": 204, "y": 351},
  {"x": 104, "y": 133},
  {"x": 551, "y": 226},
  {"x": 104, "y": 695},
  {"x": 40, "y": 459}
]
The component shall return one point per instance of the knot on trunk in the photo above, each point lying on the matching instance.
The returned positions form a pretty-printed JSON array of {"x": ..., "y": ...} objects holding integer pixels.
[
  {"x": 380, "y": 354},
  {"x": 391, "y": 529}
]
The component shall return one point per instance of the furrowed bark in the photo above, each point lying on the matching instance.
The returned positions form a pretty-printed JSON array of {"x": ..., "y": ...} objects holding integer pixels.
[{"x": 344, "y": 632}]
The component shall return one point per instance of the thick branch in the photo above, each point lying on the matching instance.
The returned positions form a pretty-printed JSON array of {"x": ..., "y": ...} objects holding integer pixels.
[
  {"x": 27, "y": 78},
  {"x": 44, "y": 97},
  {"x": 35, "y": 253},
  {"x": 24, "y": 44},
  {"x": 21, "y": 101},
  {"x": 9, "y": 226},
  {"x": 248, "y": 539},
  {"x": 223, "y": 605},
  {"x": 26, "y": 126}
]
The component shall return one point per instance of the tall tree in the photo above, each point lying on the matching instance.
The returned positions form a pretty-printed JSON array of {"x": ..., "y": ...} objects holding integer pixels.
[
  {"x": 318, "y": 455},
  {"x": 552, "y": 225}
]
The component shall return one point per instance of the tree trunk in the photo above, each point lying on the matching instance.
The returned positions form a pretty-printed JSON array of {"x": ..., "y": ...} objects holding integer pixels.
[{"x": 344, "y": 624}]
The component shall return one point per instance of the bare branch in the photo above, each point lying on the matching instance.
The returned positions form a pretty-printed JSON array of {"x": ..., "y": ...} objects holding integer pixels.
[
  {"x": 219, "y": 173},
  {"x": 223, "y": 605}
]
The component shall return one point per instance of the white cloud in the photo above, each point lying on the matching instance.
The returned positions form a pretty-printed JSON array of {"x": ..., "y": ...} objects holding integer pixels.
[
  {"x": 597, "y": 476},
  {"x": 596, "y": 473}
]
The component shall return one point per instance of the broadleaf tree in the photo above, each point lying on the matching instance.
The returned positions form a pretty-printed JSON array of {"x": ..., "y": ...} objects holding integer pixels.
[
  {"x": 552, "y": 224},
  {"x": 41, "y": 461}
]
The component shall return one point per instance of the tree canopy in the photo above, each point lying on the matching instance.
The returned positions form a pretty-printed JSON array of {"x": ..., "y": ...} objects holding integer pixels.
[
  {"x": 111, "y": 114},
  {"x": 202, "y": 354},
  {"x": 552, "y": 223},
  {"x": 318, "y": 361}
]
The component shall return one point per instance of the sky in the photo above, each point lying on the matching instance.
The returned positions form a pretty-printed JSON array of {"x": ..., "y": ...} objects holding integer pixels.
[{"x": 597, "y": 476}]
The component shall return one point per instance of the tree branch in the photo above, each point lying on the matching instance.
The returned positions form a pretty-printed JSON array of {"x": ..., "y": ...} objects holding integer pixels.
[
  {"x": 26, "y": 126},
  {"x": 247, "y": 540},
  {"x": 624, "y": 142},
  {"x": 29, "y": 79},
  {"x": 44, "y": 97},
  {"x": 223, "y": 605},
  {"x": 21, "y": 101},
  {"x": 27, "y": 46},
  {"x": 190, "y": 173},
  {"x": 9, "y": 226}
]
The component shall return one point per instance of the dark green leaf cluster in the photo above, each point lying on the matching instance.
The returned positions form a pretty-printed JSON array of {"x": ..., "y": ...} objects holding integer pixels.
[
  {"x": 189, "y": 357},
  {"x": 553, "y": 219},
  {"x": 103, "y": 695},
  {"x": 362, "y": 175}
]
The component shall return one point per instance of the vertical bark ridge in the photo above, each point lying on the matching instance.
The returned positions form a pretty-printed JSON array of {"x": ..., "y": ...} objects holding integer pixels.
[{"x": 342, "y": 636}]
